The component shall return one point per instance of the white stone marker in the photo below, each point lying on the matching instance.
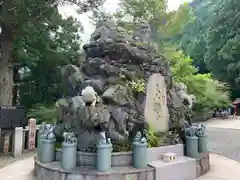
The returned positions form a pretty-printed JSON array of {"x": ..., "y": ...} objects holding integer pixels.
[
  {"x": 18, "y": 142},
  {"x": 156, "y": 110}
]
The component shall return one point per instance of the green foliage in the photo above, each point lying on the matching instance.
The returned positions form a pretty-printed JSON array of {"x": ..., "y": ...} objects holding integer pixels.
[
  {"x": 132, "y": 12},
  {"x": 43, "y": 114},
  {"x": 212, "y": 40},
  {"x": 43, "y": 82},
  {"x": 155, "y": 139},
  {"x": 137, "y": 85},
  {"x": 210, "y": 93},
  {"x": 143, "y": 10},
  {"x": 42, "y": 43},
  {"x": 181, "y": 65},
  {"x": 222, "y": 38},
  {"x": 177, "y": 21},
  {"x": 58, "y": 145},
  {"x": 169, "y": 27},
  {"x": 192, "y": 39},
  {"x": 43, "y": 50},
  {"x": 123, "y": 147}
]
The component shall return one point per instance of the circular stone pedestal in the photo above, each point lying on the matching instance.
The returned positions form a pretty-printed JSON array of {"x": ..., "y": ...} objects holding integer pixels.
[
  {"x": 53, "y": 171},
  {"x": 122, "y": 166}
]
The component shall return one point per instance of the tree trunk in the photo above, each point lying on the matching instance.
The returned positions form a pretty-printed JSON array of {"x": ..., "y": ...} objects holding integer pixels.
[
  {"x": 6, "y": 71},
  {"x": 16, "y": 88}
]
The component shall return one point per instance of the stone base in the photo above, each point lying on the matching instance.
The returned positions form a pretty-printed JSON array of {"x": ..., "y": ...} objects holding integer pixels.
[
  {"x": 53, "y": 171},
  {"x": 203, "y": 164},
  {"x": 183, "y": 168}
]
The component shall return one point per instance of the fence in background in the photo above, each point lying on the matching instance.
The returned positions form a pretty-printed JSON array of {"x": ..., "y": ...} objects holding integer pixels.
[
  {"x": 15, "y": 141},
  {"x": 6, "y": 140}
]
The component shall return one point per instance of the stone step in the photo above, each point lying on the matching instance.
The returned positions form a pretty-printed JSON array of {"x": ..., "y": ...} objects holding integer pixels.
[
  {"x": 154, "y": 154},
  {"x": 183, "y": 168},
  {"x": 53, "y": 171}
]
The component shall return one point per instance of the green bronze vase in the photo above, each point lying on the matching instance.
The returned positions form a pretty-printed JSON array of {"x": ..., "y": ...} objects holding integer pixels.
[
  {"x": 192, "y": 146},
  {"x": 139, "y": 155}
]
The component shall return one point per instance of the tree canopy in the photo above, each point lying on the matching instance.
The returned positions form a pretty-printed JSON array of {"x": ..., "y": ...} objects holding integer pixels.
[
  {"x": 170, "y": 28},
  {"x": 36, "y": 40},
  {"x": 212, "y": 40}
]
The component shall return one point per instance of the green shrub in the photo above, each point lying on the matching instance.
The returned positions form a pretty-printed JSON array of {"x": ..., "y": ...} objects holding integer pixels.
[
  {"x": 209, "y": 93},
  {"x": 155, "y": 139},
  {"x": 43, "y": 114}
]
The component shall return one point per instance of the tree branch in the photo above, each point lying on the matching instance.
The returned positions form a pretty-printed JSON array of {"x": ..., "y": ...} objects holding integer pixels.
[{"x": 85, "y": 6}]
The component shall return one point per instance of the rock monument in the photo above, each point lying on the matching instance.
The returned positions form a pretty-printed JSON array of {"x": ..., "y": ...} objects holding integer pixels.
[
  {"x": 156, "y": 109},
  {"x": 121, "y": 87}
]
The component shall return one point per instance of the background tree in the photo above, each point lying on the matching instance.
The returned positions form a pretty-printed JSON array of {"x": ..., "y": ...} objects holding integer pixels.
[
  {"x": 25, "y": 24},
  {"x": 210, "y": 93},
  {"x": 212, "y": 40},
  {"x": 222, "y": 38},
  {"x": 41, "y": 81},
  {"x": 192, "y": 39},
  {"x": 184, "y": 53}
]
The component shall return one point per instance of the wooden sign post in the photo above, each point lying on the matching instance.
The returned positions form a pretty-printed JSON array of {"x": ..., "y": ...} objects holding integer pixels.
[
  {"x": 32, "y": 134},
  {"x": 6, "y": 143}
]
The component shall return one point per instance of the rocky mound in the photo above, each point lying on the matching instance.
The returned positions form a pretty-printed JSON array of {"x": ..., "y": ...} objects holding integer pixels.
[{"x": 119, "y": 67}]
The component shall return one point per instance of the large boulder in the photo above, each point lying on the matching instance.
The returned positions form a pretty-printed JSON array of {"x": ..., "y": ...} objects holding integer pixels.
[{"x": 119, "y": 66}]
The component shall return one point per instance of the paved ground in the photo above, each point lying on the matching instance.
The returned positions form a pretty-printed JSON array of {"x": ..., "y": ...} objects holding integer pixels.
[
  {"x": 225, "y": 142},
  {"x": 6, "y": 160},
  {"x": 222, "y": 169},
  {"x": 223, "y": 139},
  {"x": 21, "y": 170},
  {"x": 231, "y": 123}
]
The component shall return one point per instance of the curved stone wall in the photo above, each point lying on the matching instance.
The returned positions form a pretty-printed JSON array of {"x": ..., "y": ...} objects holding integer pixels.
[
  {"x": 122, "y": 168},
  {"x": 53, "y": 171}
]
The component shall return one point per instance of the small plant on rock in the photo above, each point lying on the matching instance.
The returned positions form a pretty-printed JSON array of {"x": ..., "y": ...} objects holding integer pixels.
[
  {"x": 137, "y": 85},
  {"x": 155, "y": 139}
]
